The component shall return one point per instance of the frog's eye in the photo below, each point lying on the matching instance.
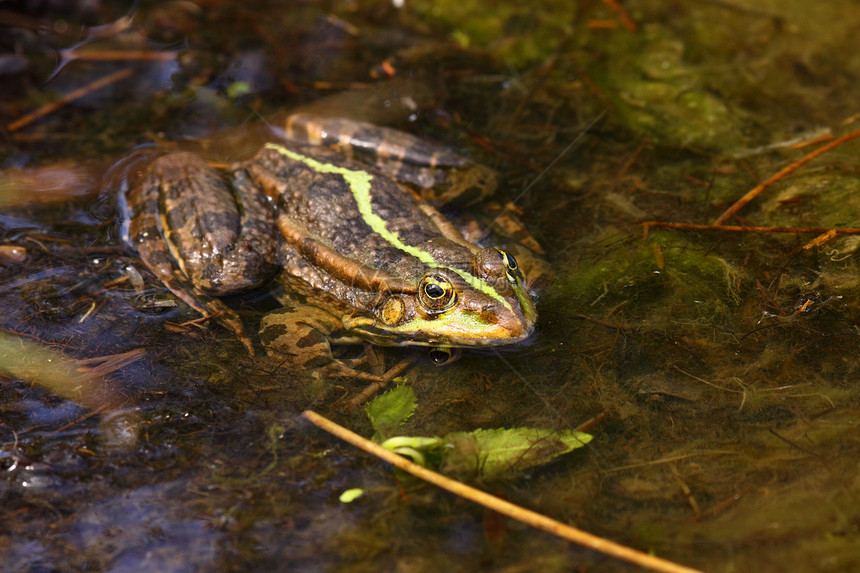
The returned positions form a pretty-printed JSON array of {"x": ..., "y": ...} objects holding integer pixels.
[
  {"x": 436, "y": 293},
  {"x": 441, "y": 356},
  {"x": 512, "y": 271}
]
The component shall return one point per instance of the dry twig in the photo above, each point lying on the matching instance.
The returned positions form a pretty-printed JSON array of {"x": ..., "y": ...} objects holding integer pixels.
[
  {"x": 70, "y": 97},
  {"x": 119, "y": 55},
  {"x": 752, "y": 194},
  {"x": 622, "y": 15},
  {"x": 646, "y": 226},
  {"x": 499, "y": 505}
]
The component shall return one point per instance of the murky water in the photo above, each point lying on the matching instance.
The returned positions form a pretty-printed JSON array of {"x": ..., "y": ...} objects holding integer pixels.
[{"x": 721, "y": 368}]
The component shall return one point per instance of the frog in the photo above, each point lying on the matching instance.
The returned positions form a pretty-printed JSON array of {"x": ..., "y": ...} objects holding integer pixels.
[{"x": 345, "y": 214}]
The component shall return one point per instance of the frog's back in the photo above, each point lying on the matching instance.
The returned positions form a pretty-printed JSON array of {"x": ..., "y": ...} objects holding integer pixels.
[{"x": 364, "y": 217}]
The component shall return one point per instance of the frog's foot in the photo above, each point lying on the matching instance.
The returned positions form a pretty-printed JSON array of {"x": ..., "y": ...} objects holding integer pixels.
[
  {"x": 228, "y": 317},
  {"x": 209, "y": 306},
  {"x": 301, "y": 337},
  {"x": 463, "y": 185},
  {"x": 357, "y": 400},
  {"x": 337, "y": 369}
]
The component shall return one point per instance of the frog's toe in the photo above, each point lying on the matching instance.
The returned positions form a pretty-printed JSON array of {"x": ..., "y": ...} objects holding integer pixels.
[
  {"x": 337, "y": 369},
  {"x": 232, "y": 321},
  {"x": 321, "y": 365},
  {"x": 211, "y": 307}
]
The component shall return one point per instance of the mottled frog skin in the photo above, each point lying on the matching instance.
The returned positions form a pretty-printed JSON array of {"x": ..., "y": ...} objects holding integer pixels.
[{"x": 332, "y": 206}]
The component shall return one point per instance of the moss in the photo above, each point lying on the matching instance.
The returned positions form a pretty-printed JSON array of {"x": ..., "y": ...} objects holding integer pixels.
[
  {"x": 660, "y": 95},
  {"x": 814, "y": 199},
  {"x": 665, "y": 277},
  {"x": 516, "y": 33}
]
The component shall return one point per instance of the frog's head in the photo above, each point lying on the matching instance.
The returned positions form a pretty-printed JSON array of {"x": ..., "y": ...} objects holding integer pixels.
[{"x": 485, "y": 304}]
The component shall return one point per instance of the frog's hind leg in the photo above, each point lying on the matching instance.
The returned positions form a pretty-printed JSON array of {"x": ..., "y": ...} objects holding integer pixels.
[
  {"x": 163, "y": 267},
  {"x": 144, "y": 234},
  {"x": 438, "y": 174},
  {"x": 156, "y": 257},
  {"x": 302, "y": 337}
]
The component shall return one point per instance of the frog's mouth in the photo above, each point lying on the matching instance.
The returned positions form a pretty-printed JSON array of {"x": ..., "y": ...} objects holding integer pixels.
[{"x": 453, "y": 333}]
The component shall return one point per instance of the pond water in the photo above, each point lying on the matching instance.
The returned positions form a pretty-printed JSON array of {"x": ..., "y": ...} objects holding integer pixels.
[{"x": 717, "y": 370}]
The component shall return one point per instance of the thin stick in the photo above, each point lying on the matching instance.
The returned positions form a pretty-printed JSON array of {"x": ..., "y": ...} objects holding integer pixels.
[
  {"x": 622, "y": 15},
  {"x": 118, "y": 55},
  {"x": 499, "y": 505},
  {"x": 740, "y": 203},
  {"x": 70, "y": 97},
  {"x": 747, "y": 229}
]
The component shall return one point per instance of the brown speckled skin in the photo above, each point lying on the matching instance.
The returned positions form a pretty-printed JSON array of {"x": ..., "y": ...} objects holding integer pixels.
[
  {"x": 193, "y": 240},
  {"x": 185, "y": 223},
  {"x": 218, "y": 250},
  {"x": 441, "y": 175},
  {"x": 318, "y": 216},
  {"x": 321, "y": 206}
]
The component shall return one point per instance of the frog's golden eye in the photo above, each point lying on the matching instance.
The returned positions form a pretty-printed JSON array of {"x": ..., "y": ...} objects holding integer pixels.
[
  {"x": 512, "y": 270},
  {"x": 436, "y": 293}
]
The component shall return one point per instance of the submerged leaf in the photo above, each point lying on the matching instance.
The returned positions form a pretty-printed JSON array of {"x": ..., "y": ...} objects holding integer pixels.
[
  {"x": 85, "y": 381},
  {"x": 390, "y": 410},
  {"x": 490, "y": 453},
  {"x": 72, "y": 379}
]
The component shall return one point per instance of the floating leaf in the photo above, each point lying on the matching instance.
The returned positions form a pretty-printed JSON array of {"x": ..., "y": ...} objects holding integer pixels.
[
  {"x": 411, "y": 442},
  {"x": 351, "y": 495},
  {"x": 422, "y": 451},
  {"x": 417, "y": 456},
  {"x": 489, "y": 453},
  {"x": 388, "y": 411}
]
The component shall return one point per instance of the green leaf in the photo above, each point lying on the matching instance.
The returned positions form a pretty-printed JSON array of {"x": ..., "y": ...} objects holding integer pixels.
[
  {"x": 417, "y": 442},
  {"x": 238, "y": 89},
  {"x": 351, "y": 495},
  {"x": 490, "y": 453},
  {"x": 389, "y": 411}
]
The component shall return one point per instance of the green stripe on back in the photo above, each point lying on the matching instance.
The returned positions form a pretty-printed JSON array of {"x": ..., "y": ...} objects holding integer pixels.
[{"x": 359, "y": 184}]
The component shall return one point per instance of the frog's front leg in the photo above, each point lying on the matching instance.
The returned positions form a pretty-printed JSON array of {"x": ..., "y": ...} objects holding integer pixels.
[{"x": 303, "y": 336}]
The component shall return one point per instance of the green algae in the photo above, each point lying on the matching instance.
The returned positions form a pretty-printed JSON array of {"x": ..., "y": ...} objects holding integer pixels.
[
  {"x": 828, "y": 197},
  {"x": 664, "y": 277},
  {"x": 661, "y": 95},
  {"x": 517, "y": 34}
]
